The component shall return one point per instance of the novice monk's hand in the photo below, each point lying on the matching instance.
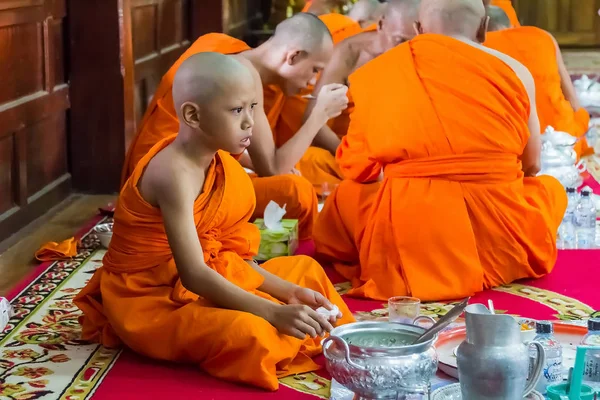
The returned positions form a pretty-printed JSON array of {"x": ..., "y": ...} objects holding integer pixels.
[
  {"x": 331, "y": 101},
  {"x": 312, "y": 299},
  {"x": 298, "y": 320}
]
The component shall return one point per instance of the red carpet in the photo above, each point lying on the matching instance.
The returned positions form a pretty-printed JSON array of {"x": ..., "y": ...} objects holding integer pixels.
[{"x": 41, "y": 340}]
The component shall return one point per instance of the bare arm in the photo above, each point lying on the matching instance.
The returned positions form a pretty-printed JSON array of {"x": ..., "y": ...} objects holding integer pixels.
[
  {"x": 267, "y": 159},
  {"x": 175, "y": 198},
  {"x": 566, "y": 83},
  {"x": 336, "y": 71},
  {"x": 532, "y": 153},
  {"x": 274, "y": 285}
]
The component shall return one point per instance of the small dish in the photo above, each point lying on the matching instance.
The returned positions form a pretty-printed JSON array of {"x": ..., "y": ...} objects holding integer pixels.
[
  {"x": 452, "y": 392},
  {"x": 104, "y": 233}
]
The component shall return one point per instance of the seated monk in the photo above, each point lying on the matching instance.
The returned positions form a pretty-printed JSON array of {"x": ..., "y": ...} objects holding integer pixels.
[
  {"x": 367, "y": 12},
  {"x": 508, "y": 8},
  {"x": 286, "y": 63},
  {"x": 459, "y": 209},
  {"x": 318, "y": 164},
  {"x": 320, "y": 7},
  {"x": 556, "y": 99},
  {"x": 178, "y": 282}
]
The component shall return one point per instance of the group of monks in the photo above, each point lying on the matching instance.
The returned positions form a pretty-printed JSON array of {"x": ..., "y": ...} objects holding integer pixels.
[{"x": 427, "y": 113}]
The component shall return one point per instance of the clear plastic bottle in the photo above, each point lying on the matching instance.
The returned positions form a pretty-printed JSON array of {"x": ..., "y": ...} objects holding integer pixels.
[
  {"x": 553, "y": 370},
  {"x": 566, "y": 230},
  {"x": 591, "y": 372},
  {"x": 585, "y": 222}
]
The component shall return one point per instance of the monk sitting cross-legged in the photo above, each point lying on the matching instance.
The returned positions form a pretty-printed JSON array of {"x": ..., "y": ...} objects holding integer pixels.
[
  {"x": 453, "y": 132},
  {"x": 318, "y": 165},
  {"x": 283, "y": 65},
  {"x": 556, "y": 99},
  {"x": 178, "y": 282}
]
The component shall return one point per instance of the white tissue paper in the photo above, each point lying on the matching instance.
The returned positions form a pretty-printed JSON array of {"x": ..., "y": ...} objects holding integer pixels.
[
  {"x": 326, "y": 313},
  {"x": 6, "y": 313},
  {"x": 273, "y": 216}
]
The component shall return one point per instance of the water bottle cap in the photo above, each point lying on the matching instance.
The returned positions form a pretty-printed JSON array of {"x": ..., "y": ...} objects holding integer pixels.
[
  {"x": 594, "y": 324},
  {"x": 570, "y": 190},
  {"x": 543, "y": 327},
  {"x": 585, "y": 193}
]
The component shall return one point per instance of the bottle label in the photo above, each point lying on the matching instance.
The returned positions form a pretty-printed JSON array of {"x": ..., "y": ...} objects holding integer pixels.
[
  {"x": 591, "y": 371},
  {"x": 553, "y": 370}
]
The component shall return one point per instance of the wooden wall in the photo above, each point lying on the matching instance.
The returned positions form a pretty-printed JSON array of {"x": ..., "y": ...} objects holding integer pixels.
[
  {"x": 34, "y": 102},
  {"x": 76, "y": 77},
  {"x": 574, "y": 23}
]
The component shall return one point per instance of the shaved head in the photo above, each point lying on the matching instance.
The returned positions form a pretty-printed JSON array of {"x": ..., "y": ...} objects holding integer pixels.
[
  {"x": 498, "y": 19},
  {"x": 464, "y": 18},
  {"x": 406, "y": 9},
  {"x": 205, "y": 76},
  {"x": 304, "y": 31},
  {"x": 366, "y": 11},
  {"x": 397, "y": 23}
]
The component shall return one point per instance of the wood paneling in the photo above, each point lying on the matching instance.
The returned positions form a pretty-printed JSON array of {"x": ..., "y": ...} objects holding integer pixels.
[
  {"x": 33, "y": 110},
  {"x": 572, "y": 22}
]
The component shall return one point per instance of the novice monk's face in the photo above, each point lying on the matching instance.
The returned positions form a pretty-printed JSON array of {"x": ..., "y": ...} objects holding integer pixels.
[
  {"x": 301, "y": 68},
  {"x": 227, "y": 119}
]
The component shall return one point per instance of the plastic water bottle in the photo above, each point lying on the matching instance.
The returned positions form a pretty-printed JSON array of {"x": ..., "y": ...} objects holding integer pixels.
[
  {"x": 553, "y": 370},
  {"x": 566, "y": 230},
  {"x": 585, "y": 222},
  {"x": 591, "y": 371}
]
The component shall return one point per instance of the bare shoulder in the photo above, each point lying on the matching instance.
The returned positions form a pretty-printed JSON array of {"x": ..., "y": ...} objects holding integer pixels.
[
  {"x": 519, "y": 69},
  {"x": 168, "y": 178}
]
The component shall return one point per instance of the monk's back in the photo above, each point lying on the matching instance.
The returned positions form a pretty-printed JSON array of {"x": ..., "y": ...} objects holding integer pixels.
[{"x": 447, "y": 79}]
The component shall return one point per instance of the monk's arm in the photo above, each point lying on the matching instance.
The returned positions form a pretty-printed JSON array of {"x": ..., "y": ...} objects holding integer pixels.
[
  {"x": 274, "y": 285},
  {"x": 336, "y": 71},
  {"x": 175, "y": 199},
  {"x": 566, "y": 83},
  {"x": 267, "y": 159},
  {"x": 532, "y": 153}
]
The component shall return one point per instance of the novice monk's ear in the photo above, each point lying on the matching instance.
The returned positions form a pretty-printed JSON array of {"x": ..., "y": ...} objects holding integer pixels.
[
  {"x": 190, "y": 114},
  {"x": 417, "y": 27},
  {"x": 295, "y": 56},
  {"x": 482, "y": 31}
]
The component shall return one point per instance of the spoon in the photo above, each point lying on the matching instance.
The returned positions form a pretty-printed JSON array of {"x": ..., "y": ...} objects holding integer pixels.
[{"x": 443, "y": 322}]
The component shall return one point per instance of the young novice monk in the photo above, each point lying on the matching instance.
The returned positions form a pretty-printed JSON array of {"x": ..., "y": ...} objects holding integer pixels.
[{"x": 178, "y": 282}]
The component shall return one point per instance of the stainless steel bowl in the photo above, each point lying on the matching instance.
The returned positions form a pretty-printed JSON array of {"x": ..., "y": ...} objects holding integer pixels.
[{"x": 376, "y": 360}]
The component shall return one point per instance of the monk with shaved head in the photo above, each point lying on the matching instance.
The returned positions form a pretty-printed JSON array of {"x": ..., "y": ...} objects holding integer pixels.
[
  {"x": 367, "y": 12},
  {"x": 453, "y": 133},
  {"x": 556, "y": 99},
  {"x": 283, "y": 65},
  {"x": 395, "y": 27},
  {"x": 178, "y": 282}
]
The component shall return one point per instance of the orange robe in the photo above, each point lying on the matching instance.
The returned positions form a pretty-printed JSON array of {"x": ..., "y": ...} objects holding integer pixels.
[
  {"x": 454, "y": 214},
  {"x": 136, "y": 297},
  {"x": 317, "y": 165},
  {"x": 508, "y": 8},
  {"x": 307, "y": 5},
  {"x": 160, "y": 121},
  {"x": 535, "y": 49}
]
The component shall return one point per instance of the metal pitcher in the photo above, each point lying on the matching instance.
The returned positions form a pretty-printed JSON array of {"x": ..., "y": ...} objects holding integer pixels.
[{"x": 493, "y": 362}]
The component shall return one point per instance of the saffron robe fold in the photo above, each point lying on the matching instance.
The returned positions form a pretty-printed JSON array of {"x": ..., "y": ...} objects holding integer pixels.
[
  {"x": 535, "y": 48},
  {"x": 508, "y": 8},
  {"x": 454, "y": 214},
  {"x": 136, "y": 297},
  {"x": 160, "y": 121},
  {"x": 318, "y": 166}
]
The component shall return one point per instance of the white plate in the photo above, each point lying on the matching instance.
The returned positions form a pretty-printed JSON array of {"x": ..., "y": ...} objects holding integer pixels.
[
  {"x": 452, "y": 392},
  {"x": 568, "y": 335}
]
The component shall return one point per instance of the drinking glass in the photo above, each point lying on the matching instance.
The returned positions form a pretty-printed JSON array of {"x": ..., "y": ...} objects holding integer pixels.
[{"x": 403, "y": 309}]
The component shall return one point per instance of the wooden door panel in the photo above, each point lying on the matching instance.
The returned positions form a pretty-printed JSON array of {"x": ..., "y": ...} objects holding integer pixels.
[
  {"x": 46, "y": 152},
  {"x": 572, "y": 22},
  {"x": 33, "y": 110},
  {"x": 7, "y": 166}
]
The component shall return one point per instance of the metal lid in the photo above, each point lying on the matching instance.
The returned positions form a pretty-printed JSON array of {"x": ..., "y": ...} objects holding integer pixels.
[
  {"x": 594, "y": 324},
  {"x": 544, "y": 327}
]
